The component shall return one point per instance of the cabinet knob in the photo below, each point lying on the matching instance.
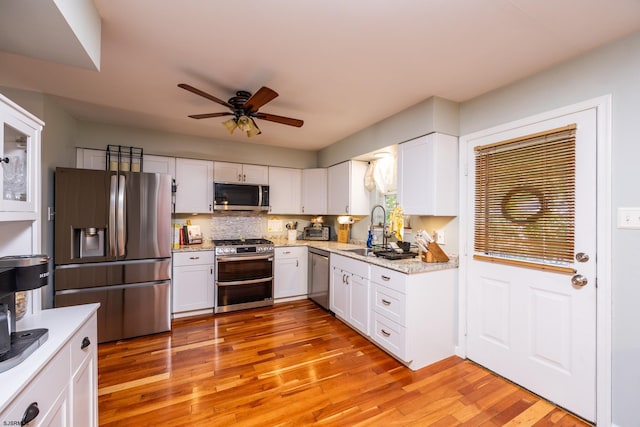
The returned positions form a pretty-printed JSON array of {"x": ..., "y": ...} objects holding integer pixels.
[
  {"x": 30, "y": 414},
  {"x": 86, "y": 342},
  {"x": 385, "y": 302},
  {"x": 5, "y": 160},
  {"x": 385, "y": 278},
  {"x": 194, "y": 257},
  {"x": 385, "y": 333},
  {"x": 240, "y": 177}
]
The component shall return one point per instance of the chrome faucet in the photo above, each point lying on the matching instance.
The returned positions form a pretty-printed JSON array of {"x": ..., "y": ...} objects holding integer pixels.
[{"x": 384, "y": 224}]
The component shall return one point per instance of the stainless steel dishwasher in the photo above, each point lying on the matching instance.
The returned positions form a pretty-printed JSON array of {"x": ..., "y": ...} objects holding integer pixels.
[{"x": 319, "y": 277}]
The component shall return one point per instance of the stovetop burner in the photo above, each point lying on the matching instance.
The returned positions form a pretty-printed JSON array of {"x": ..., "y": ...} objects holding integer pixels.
[
  {"x": 242, "y": 242},
  {"x": 243, "y": 246}
]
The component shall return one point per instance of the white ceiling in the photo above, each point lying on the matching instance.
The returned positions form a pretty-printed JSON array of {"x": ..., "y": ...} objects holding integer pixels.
[{"x": 338, "y": 65}]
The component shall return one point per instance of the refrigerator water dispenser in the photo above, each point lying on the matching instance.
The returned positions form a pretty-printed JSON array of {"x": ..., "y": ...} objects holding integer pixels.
[{"x": 90, "y": 242}]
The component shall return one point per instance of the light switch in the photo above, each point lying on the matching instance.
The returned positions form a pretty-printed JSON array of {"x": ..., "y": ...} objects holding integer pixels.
[{"x": 629, "y": 218}]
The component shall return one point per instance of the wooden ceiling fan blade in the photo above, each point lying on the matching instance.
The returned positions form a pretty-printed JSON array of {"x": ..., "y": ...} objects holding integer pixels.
[
  {"x": 209, "y": 115},
  {"x": 280, "y": 119},
  {"x": 261, "y": 97},
  {"x": 204, "y": 94}
]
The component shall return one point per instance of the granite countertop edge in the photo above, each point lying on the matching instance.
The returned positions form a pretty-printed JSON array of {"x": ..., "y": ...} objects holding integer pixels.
[{"x": 407, "y": 266}]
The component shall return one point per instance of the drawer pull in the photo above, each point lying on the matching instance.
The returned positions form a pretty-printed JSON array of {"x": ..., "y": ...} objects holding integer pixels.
[
  {"x": 385, "y": 333},
  {"x": 30, "y": 414},
  {"x": 385, "y": 278},
  {"x": 86, "y": 342},
  {"x": 194, "y": 257},
  {"x": 385, "y": 302}
]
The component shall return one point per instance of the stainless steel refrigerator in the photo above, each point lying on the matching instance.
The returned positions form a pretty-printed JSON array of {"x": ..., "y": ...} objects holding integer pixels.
[{"x": 113, "y": 246}]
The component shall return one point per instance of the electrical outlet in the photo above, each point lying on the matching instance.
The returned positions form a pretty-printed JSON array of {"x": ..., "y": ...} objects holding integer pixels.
[
  {"x": 439, "y": 237},
  {"x": 629, "y": 218}
]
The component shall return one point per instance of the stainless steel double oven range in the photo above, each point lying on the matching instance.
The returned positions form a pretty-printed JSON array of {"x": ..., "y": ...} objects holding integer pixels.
[{"x": 244, "y": 274}]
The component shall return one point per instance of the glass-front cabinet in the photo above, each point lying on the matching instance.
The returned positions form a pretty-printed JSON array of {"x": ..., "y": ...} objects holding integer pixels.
[{"x": 19, "y": 160}]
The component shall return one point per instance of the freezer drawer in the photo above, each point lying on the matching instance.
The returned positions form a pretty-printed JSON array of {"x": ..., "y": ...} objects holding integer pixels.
[
  {"x": 81, "y": 276},
  {"x": 125, "y": 311}
]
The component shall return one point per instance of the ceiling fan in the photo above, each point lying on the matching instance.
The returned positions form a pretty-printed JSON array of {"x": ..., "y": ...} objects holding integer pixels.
[{"x": 244, "y": 108}]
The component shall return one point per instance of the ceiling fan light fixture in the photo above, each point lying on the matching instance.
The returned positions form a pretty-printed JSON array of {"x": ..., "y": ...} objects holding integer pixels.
[
  {"x": 247, "y": 125},
  {"x": 255, "y": 130},
  {"x": 230, "y": 124}
]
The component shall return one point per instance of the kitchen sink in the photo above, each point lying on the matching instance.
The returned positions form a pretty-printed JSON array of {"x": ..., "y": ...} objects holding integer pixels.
[{"x": 361, "y": 251}]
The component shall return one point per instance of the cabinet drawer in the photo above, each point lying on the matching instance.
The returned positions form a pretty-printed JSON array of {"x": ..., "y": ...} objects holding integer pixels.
[
  {"x": 390, "y": 278},
  {"x": 79, "y": 349},
  {"x": 43, "y": 390},
  {"x": 193, "y": 258},
  {"x": 389, "y": 335},
  {"x": 390, "y": 303}
]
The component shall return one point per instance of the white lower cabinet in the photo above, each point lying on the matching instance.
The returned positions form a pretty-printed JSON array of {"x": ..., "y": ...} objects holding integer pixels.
[
  {"x": 192, "y": 283},
  {"x": 413, "y": 315},
  {"x": 349, "y": 292},
  {"x": 290, "y": 272},
  {"x": 65, "y": 391}
]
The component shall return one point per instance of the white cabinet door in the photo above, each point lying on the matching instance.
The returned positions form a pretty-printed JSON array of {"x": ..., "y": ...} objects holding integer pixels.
[
  {"x": 359, "y": 303},
  {"x": 346, "y": 192},
  {"x": 290, "y": 272},
  {"x": 284, "y": 190},
  {"x": 84, "y": 395},
  {"x": 194, "y": 186},
  {"x": 314, "y": 191},
  {"x": 192, "y": 288},
  {"x": 227, "y": 172},
  {"x": 87, "y": 158},
  {"x": 338, "y": 292},
  {"x": 237, "y": 172},
  {"x": 20, "y": 160},
  {"x": 255, "y": 174},
  {"x": 428, "y": 175},
  {"x": 349, "y": 292},
  {"x": 159, "y": 164}
]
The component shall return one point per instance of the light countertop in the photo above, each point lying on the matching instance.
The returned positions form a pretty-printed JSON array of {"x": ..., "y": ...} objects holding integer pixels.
[{"x": 407, "y": 266}]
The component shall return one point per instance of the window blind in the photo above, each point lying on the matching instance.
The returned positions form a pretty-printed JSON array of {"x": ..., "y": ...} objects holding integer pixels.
[{"x": 525, "y": 199}]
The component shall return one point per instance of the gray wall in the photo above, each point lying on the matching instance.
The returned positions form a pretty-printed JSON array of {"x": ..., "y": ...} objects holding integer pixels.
[
  {"x": 99, "y": 135},
  {"x": 615, "y": 70},
  {"x": 433, "y": 115}
]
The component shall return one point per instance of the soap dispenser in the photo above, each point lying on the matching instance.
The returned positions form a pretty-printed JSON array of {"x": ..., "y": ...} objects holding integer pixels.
[{"x": 370, "y": 239}]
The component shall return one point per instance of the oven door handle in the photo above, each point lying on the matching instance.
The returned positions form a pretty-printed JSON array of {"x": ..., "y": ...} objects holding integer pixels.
[
  {"x": 243, "y": 258},
  {"x": 245, "y": 282}
]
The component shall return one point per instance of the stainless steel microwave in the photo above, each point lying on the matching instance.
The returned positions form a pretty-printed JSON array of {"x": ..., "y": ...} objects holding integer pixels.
[{"x": 240, "y": 197}]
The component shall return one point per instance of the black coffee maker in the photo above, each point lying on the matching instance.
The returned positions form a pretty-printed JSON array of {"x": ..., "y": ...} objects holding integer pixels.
[{"x": 19, "y": 273}]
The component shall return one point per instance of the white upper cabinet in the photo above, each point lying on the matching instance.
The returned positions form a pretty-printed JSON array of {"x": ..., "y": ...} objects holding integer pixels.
[
  {"x": 87, "y": 158},
  {"x": 20, "y": 162},
  {"x": 159, "y": 164},
  {"x": 346, "y": 192},
  {"x": 314, "y": 191},
  {"x": 428, "y": 175},
  {"x": 240, "y": 173},
  {"x": 194, "y": 186},
  {"x": 285, "y": 188}
]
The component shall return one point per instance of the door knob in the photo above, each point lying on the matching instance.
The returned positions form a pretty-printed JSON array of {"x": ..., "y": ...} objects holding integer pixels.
[{"x": 579, "y": 280}]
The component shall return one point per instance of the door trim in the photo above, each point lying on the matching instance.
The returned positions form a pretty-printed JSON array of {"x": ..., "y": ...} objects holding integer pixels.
[{"x": 603, "y": 236}]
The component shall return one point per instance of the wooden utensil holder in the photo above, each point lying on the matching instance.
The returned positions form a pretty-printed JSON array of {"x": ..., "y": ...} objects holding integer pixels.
[{"x": 434, "y": 254}]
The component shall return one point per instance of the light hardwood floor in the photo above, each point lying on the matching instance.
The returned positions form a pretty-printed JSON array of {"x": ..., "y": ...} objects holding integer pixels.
[{"x": 291, "y": 365}]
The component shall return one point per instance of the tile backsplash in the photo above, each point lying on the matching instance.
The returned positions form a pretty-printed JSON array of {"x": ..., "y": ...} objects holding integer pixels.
[{"x": 236, "y": 226}]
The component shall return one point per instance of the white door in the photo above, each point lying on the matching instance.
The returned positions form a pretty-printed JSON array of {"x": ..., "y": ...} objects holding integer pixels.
[{"x": 534, "y": 326}]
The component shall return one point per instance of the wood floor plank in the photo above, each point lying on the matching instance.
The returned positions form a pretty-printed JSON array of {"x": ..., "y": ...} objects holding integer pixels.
[{"x": 295, "y": 364}]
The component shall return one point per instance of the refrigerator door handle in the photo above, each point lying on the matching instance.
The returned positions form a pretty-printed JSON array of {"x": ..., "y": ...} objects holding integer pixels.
[
  {"x": 122, "y": 215},
  {"x": 112, "y": 216}
]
